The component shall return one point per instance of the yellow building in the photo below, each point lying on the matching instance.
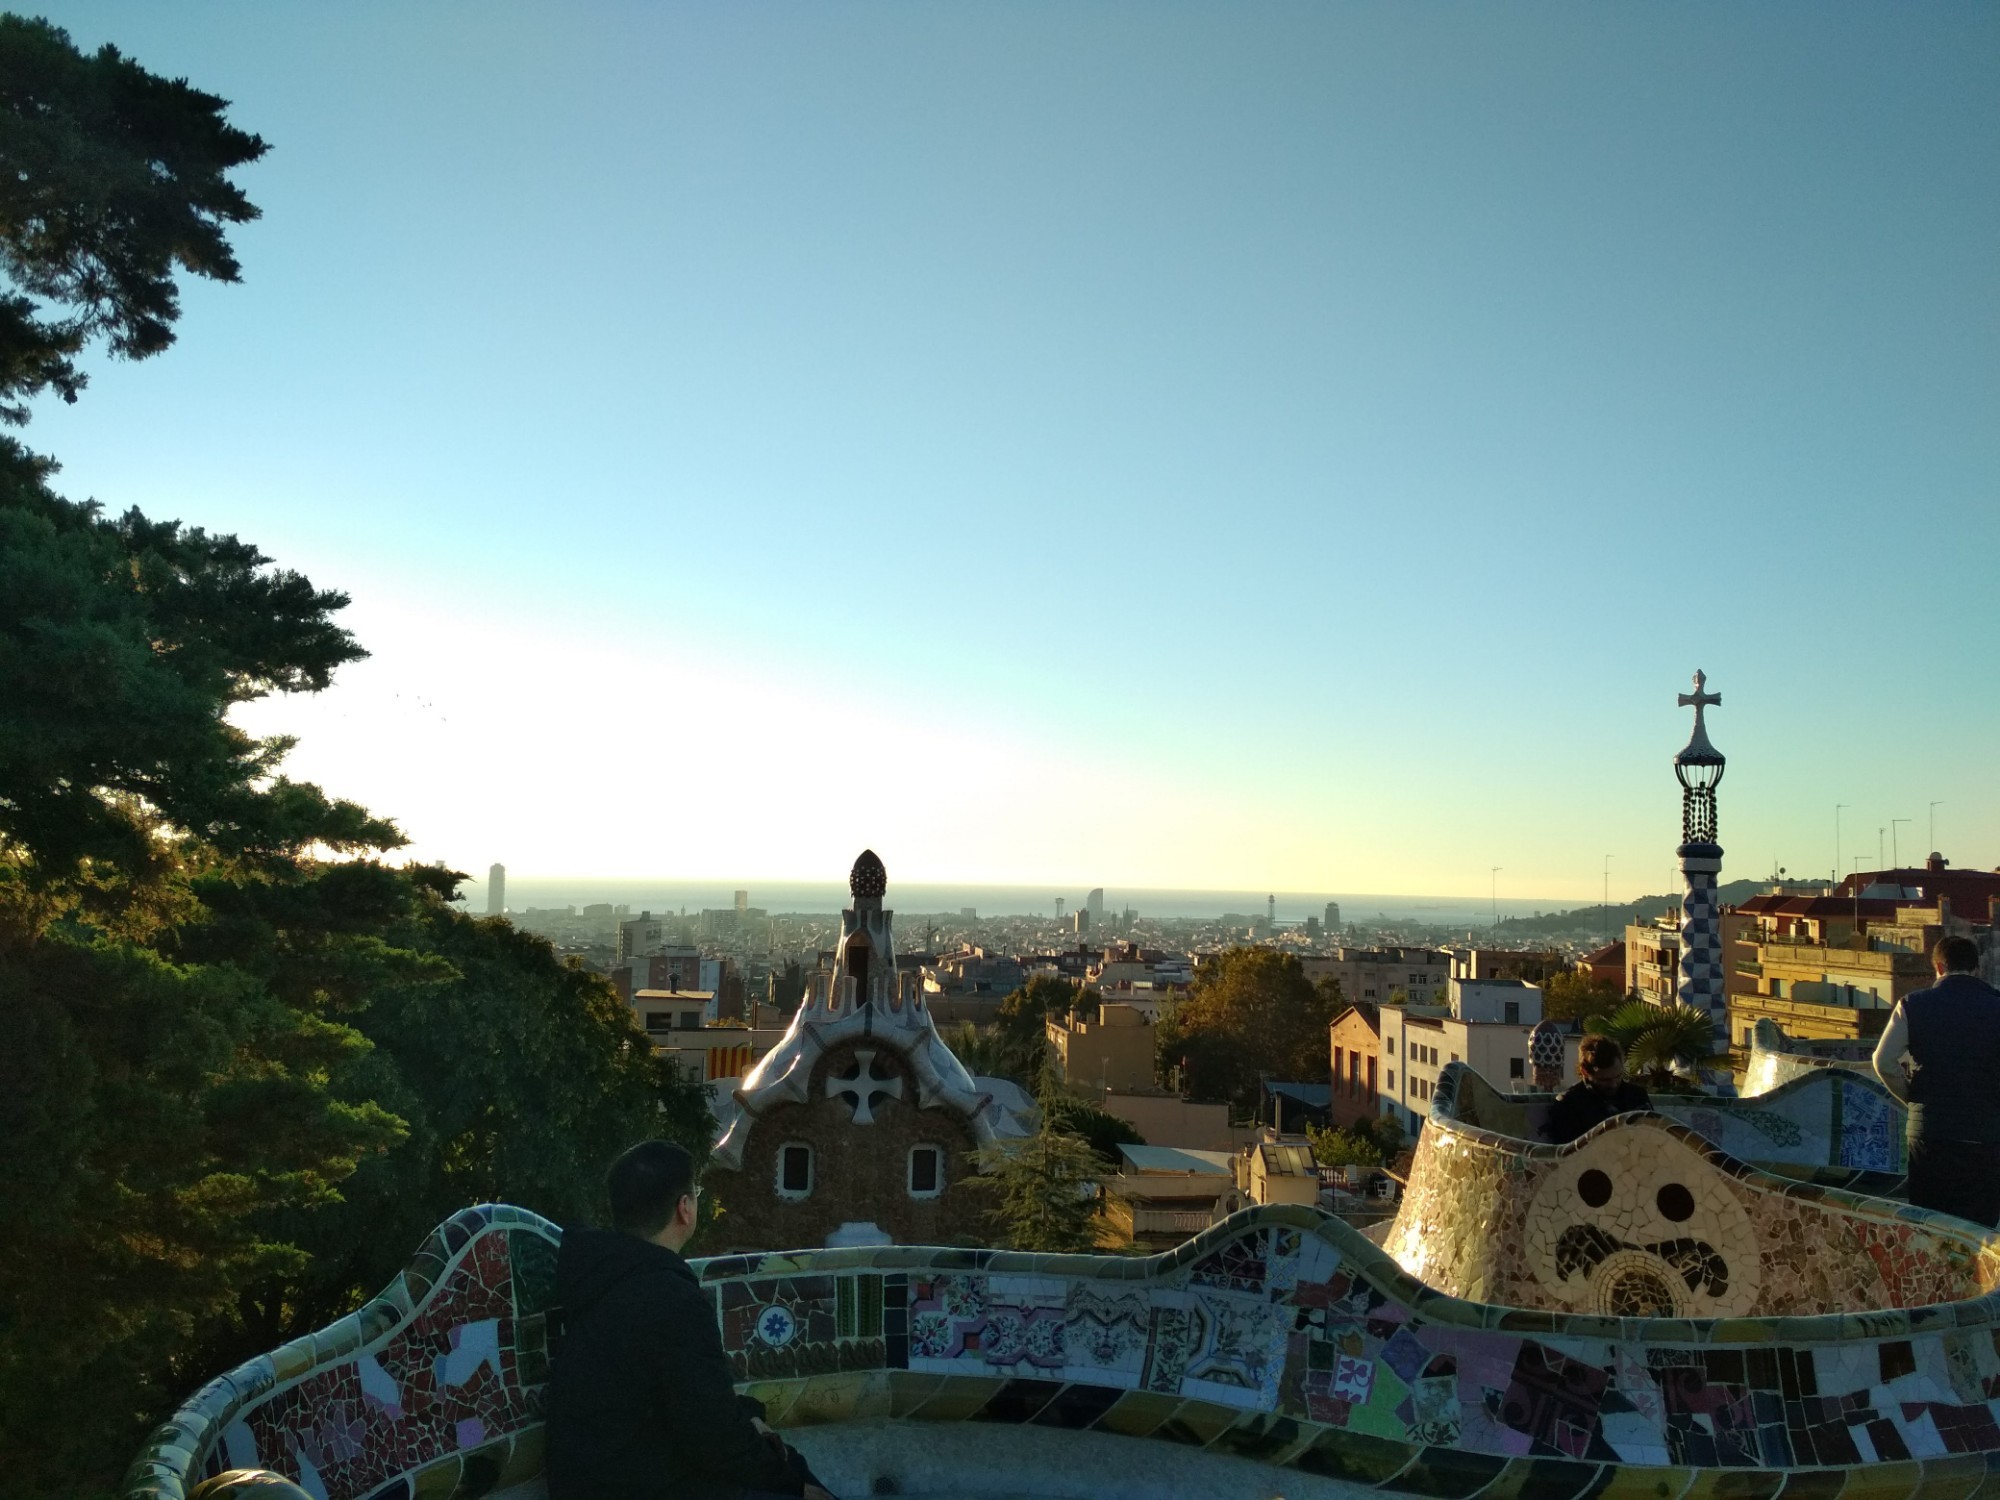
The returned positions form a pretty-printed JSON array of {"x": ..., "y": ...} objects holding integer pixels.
[
  {"x": 1113, "y": 1052},
  {"x": 1828, "y": 967}
]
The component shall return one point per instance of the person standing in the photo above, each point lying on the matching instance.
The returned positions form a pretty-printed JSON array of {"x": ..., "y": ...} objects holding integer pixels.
[
  {"x": 1940, "y": 1054},
  {"x": 1601, "y": 1092},
  {"x": 642, "y": 1401}
]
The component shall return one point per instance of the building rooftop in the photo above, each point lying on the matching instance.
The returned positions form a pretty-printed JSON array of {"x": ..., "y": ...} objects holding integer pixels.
[{"x": 1176, "y": 1159}]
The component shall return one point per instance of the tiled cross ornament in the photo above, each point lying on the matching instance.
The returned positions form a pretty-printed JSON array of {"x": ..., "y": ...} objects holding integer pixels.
[{"x": 864, "y": 1088}]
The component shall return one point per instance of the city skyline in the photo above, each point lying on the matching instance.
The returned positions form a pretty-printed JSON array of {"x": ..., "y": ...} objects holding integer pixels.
[{"x": 1292, "y": 453}]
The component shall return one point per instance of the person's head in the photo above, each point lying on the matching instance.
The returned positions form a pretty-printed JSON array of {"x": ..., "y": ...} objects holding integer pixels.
[
  {"x": 1955, "y": 955},
  {"x": 1601, "y": 1062},
  {"x": 654, "y": 1194}
]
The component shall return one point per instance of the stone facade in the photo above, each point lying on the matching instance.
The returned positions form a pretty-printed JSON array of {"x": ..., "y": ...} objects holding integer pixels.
[
  {"x": 860, "y": 1172},
  {"x": 830, "y": 1138}
]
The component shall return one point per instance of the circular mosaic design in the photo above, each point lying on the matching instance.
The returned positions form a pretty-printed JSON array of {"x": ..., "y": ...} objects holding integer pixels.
[
  {"x": 1640, "y": 1200},
  {"x": 776, "y": 1326},
  {"x": 1633, "y": 1284}
]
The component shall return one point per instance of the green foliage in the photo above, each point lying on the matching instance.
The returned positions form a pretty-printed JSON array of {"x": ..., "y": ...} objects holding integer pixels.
[
  {"x": 111, "y": 178},
  {"x": 1571, "y": 995},
  {"x": 1660, "y": 1041},
  {"x": 122, "y": 644},
  {"x": 1252, "y": 1014},
  {"x": 1354, "y": 1147},
  {"x": 1021, "y": 1027},
  {"x": 242, "y": 1079},
  {"x": 1104, "y": 1132},
  {"x": 986, "y": 1053},
  {"x": 1046, "y": 1190}
]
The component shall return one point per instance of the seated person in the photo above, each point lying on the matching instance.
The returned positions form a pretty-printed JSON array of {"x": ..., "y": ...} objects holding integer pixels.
[
  {"x": 1603, "y": 1091},
  {"x": 642, "y": 1401}
]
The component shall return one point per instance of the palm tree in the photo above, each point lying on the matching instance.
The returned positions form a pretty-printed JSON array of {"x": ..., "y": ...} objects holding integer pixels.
[{"x": 1660, "y": 1041}]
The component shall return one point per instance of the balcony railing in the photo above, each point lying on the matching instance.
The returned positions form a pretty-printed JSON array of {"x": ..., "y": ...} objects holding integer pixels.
[{"x": 1181, "y": 1221}]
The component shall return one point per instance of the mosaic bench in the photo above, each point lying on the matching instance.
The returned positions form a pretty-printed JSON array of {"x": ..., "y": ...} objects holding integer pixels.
[
  {"x": 1776, "y": 1059},
  {"x": 1822, "y": 1124},
  {"x": 1277, "y": 1353}
]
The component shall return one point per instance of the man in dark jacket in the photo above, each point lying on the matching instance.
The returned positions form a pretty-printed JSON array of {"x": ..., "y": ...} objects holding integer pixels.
[
  {"x": 1603, "y": 1091},
  {"x": 642, "y": 1400},
  {"x": 1940, "y": 1054}
]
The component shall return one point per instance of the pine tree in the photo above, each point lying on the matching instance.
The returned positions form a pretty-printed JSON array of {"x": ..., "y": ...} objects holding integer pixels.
[{"x": 1046, "y": 1185}]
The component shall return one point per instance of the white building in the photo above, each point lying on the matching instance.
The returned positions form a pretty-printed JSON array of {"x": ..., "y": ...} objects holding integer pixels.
[{"x": 1485, "y": 1025}]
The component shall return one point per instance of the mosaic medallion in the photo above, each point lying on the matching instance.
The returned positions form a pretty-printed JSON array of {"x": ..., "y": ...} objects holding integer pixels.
[
  {"x": 776, "y": 1326},
  {"x": 1636, "y": 1223}
]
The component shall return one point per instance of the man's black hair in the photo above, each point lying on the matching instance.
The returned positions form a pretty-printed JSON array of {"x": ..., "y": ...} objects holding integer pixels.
[
  {"x": 647, "y": 1184},
  {"x": 1956, "y": 955}
]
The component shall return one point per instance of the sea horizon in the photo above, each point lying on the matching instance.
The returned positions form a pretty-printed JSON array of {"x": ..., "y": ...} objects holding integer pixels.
[{"x": 987, "y": 900}]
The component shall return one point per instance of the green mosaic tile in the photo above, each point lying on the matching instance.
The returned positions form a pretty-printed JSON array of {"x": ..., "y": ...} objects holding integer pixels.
[
  {"x": 1814, "y": 1484},
  {"x": 1736, "y": 1484},
  {"x": 1543, "y": 1479},
  {"x": 438, "y": 1481},
  {"x": 910, "y": 1389},
  {"x": 1138, "y": 1413},
  {"x": 1641, "y": 1482},
  {"x": 1954, "y": 1477},
  {"x": 1448, "y": 1473},
  {"x": 1354, "y": 1457},
  {"x": 959, "y": 1398},
  {"x": 1197, "y": 1423}
]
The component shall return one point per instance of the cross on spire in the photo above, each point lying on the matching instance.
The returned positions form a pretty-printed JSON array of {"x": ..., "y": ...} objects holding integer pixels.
[
  {"x": 1699, "y": 751},
  {"x": 1699, "y": 699}
]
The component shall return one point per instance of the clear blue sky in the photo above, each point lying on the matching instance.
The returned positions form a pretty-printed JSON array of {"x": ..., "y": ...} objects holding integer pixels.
[{"x": 1302, "y": 446}]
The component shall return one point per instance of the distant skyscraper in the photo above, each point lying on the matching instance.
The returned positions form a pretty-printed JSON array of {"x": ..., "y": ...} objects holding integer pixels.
[
  {"x": 742, "y": 902},
  {"x": 1699, "y": 769},
  {"x": 1332, "y": 915},
  {"x": 1059, "y": 908},
  {"x": 496, "y": 890},
  {"x": 1271, "y": 911},
  {"x": 1094, "y": 904}
]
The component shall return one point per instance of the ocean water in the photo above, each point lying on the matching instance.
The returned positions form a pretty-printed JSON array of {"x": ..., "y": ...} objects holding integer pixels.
[{"x": 916, "y": 898}]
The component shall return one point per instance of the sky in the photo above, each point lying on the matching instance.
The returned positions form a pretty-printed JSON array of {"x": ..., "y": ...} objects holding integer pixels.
[{"x": 1289, "y": 446}]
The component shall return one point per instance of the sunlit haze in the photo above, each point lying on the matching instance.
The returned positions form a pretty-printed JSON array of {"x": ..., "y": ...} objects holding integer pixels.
[{"x": 1290, "y": 447}]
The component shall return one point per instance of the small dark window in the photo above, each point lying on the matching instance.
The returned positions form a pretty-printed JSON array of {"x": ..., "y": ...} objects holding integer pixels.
[
  {"x": 926, "y": 1170},
  {"x": 1517, "y": 1067},
  {"x": 1513, "y": 1011},
  {"x": 795, "y": 1171}
]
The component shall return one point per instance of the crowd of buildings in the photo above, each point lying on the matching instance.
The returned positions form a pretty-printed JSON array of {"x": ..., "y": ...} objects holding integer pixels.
[{"x": 807, "y": 1027}]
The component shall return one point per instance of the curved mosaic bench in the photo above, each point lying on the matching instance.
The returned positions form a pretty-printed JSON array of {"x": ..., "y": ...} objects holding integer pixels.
[
  {"x": 1280, "y": 1340},
  {"x": 1777, "y": 1059},
  {"x": 1824, "y": 1124}
]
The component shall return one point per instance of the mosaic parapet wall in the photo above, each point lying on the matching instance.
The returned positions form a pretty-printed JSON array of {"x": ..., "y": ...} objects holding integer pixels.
[
  {"x": 1282, "y": 1336},
  {"x": 440, "y": 1377},
  {"x": 1644, "y": 1217},
  {"x": 1777, "y": 1059},
  {"x": 1826, "y": 1124}
]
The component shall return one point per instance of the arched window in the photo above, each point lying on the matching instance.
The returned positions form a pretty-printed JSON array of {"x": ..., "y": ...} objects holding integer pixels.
[
  {"x": 795, "y": 1170},
  {"x": 926, "y": 1177}
]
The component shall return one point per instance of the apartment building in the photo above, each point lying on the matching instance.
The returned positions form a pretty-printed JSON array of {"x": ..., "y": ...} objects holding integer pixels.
[
  {"x": 1484, "y": 1025},
  {"x": 1417, "y": 975}
]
